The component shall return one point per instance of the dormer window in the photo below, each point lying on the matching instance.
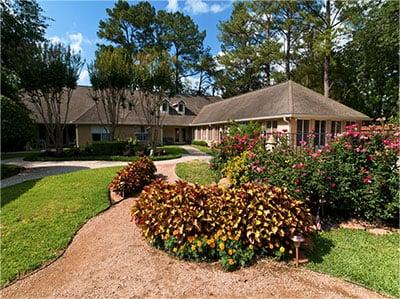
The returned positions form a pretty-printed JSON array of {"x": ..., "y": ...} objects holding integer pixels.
[
  {"x": 165, "y": 107},
  {"x": 181, "y": 108}
]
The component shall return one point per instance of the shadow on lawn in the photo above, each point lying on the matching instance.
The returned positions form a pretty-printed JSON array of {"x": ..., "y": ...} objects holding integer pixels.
[
  {"x": 321, "y": 246},
  {"x": 8, "y": 194}
]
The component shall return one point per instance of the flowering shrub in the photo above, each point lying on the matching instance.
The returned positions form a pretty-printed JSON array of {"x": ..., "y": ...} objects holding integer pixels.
[
  {"x": 238, "y": 139},
  {"x": 211, "y": 222},
  {"x": 237, "y": 169},
  {"x": 133, "y": 177},
  {"x": 355, "y": 175}
]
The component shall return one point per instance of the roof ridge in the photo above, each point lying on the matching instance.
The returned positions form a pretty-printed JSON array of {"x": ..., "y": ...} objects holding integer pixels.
[{"x": 291, "y": 105}]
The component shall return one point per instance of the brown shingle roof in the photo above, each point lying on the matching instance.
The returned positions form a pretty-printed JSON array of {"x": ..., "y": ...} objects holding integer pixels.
[
  {"x": 284, "y": 99},
  {"x": 83, "y": 110}
]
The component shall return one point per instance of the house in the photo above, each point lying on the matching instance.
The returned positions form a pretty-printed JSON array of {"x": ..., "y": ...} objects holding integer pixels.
[{"x": 287, "y": 106}]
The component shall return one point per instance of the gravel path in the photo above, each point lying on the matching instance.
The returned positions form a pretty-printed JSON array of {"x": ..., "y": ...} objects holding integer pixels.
[
  {"x": 39, "y": 169},
  {"x": 109, "y": 258}
]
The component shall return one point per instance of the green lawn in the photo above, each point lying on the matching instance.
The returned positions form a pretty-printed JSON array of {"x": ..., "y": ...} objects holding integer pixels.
[
  {"x": 13, "y": 155},
  {"x": 172, "y": 152},
  {"x": 40, "y": 217},
  {"x": 8, "y": 170},
  {"x": 204, "y": 149},
  {"x": 196, "y": 172},
  {"x": 359, "y": 256}
]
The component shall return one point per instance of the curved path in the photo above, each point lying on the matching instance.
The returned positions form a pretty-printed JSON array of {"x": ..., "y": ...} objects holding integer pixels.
[
  {"x": 109, "y": 258},
  {"x": 39, "y": 169}
]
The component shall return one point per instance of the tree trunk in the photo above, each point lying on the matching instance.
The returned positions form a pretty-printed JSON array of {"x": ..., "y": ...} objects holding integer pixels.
[
  {"x": 287, "y": 55},
  {"x": 328, "y": 50},
  {"x": 268, "y": 73}
]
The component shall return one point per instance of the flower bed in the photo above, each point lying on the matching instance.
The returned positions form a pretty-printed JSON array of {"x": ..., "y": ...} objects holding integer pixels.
[
  {"x": 356, "y": 175},
  {"x": 214, "y": 223},
  {"x": 133, "y": 177}
]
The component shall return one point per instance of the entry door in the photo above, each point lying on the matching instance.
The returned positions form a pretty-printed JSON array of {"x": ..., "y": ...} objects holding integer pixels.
[
  {"x": 184, "y": 135},
  {"x": 177, "y": 133}
]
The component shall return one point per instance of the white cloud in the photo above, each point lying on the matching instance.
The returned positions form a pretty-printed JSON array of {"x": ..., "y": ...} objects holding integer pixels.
[
  {"x": 76, "y": 40},
  {"x": 200, "y": 6},
  {"x": 55, "y": 40},
  {"x": 173, "y": 5},
  {"x": 216, "y": 8},
  {"x": 84, "y": 78}
]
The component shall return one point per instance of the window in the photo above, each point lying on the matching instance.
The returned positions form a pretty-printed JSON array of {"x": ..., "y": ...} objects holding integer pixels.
[
  {"x": 141, "y": 134},
  {"x": 320, "y": 132},
  {"x": 272, "y": 126},
  {"x": 100, "y": 134},
  {"x": 336, "y": 128},
  {"x": 350, "y": 123},
  {"x": 165, "y": 107},
  {"x": 303, "y": 127},
  {"x": 181, "y": 107}
]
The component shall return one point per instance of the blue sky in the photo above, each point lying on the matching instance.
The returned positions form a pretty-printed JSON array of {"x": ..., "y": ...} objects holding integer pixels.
[{"x": 76, "y": 22}]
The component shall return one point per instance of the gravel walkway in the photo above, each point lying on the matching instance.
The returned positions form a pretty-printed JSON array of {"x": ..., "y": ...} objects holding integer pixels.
[
  {"x": 109, "y": 258},
  {"x": 39, "y": 169}
]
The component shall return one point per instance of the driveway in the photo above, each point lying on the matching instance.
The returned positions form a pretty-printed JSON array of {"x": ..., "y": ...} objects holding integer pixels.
[{"x": 38, "y": 169}]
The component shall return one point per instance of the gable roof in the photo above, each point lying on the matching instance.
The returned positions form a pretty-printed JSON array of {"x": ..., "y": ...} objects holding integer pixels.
[
  {"x": 287, "y": 99},
  {"x": 82, "y": 109}
]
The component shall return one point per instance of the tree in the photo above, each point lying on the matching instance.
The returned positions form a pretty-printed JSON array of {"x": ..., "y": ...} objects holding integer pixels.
[
  {"x": 22, "y": 28},
  {"x": 133, "y": 27},
  {"x": 206, "y": 69},
  {"x": 181, "y": 36},
  {"x": 16, "y": 126},
  {"x": 366, "y": 72},
  {"x": 110, "y": 75},
  {"x": 49, "y": 80},
  {"x": 330, "y": 19},
  {"x": 153, "y": 82}
]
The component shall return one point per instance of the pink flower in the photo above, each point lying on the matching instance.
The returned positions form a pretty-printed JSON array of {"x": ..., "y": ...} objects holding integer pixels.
[
  {"x": 367, "y": 179},
  {"x": 333, "y": 185},
  {"x": 298, "y": 166},
  {"x": 297, "y": 190},
  {"x": 303, "y": 143},
  {"x": 296, "y": 181}
]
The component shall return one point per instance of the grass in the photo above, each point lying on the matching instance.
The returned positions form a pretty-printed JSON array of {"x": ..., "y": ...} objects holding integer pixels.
[
  {"x": 13, "y": 155},
  {"x": 204, "y": 149},
  {"x": 196, "y": 172},
  {"x": 359, "y": 256},
  {"x": 8, "y": 170},
  {"x": 172, "y": 152},
  {"x": 40, "y": 217}
]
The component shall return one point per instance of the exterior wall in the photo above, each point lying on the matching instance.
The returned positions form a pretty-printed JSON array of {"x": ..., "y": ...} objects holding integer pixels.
[{"x": 83, "y": 135}]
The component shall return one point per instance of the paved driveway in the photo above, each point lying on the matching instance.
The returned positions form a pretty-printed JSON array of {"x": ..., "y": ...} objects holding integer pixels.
[{"x": 38, "y": 169}]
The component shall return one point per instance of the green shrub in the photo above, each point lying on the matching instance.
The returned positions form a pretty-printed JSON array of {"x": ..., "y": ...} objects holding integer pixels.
[
  {"x": 107, "y": 147},
  {"x": 356, "y": 175},
  {"x": 133, "y": 177},
  {"x": 237, "y": 169},
  {"x": 200, "y": 142},
  {"x": 211, "y": 222}
]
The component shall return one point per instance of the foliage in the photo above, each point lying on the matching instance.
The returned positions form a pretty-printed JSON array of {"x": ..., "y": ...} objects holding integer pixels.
[
  {"x": 114, "y": 148},
  {"x": 110, "y": 75},
  {"x": 356, "y": 175},
  {"x": 49, "y": 80},
  {"x": 16, "y": 126},
  {"x": 133, "y": 177},
  {"x": 40, "y": 217},
  {"x": 9, "y": 170},
  {"x": 196, "y": 172},
  {"x": 239, "y": 138},
  {"x": 211, "y": 222},
  {"x": 22, "y": 28},
  {"x": 199, "y": 142},
  {"x": 359, "y": 256},
  {"x": 139, "y": 27}
]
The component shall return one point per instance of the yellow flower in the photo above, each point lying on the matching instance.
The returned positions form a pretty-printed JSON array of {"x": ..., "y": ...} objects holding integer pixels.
[
  {"x": 221, "y": 246},
  {"x": 282, "y": 249},
  {"x": 223, "y": 238},
  {"x": 231, "y": 251},
  {"x": 199, "y": 243},
  {"x": 175, "y": 249},
  {"x": 193, "y": 248},
  {"x": 231, "y": 262}
]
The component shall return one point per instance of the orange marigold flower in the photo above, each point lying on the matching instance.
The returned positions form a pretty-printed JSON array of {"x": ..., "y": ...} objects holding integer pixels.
[
  {"x": 231, "y": 262},
  {"x": 191, "y": 239}
]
